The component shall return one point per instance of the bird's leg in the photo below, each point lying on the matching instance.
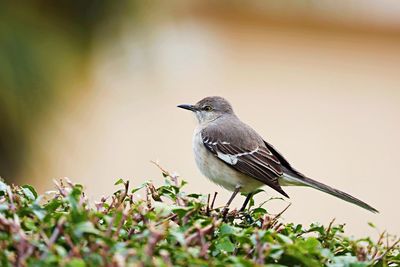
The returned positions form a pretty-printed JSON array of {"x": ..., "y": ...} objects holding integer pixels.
[
  {"x": 226, "y": 208},
  {"x": 249, "y": 219},
  {"x": 248, "y": 197}
]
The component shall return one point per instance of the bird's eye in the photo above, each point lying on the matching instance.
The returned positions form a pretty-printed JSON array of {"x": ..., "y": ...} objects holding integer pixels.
[{"x": 207, "y": 108}]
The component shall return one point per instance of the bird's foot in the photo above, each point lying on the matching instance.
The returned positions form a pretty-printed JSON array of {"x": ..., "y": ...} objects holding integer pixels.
[{"x": 248, "y": 217}]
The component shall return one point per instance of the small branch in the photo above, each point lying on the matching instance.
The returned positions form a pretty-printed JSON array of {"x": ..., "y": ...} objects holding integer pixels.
[
  {"x": 213, "y": 201},
  {"x": 164, "y": 171},
  {"x": 380, "y": 240},
  {"x": 208, "y": 205},
  {"x": 328, "y": 230},
  {"x": 121, "y": 199},
  {"x": 386, "y": 252},
  {"x": 195, "y": 238},
  {"x": 155, "y": 237},
  {"x": 170, "y": 217},
  {"x": 277, "y": 216},
  {"x": 54, "y": 237},
  {"x": 125, "y": 214},
  {"x": 153, "y": 192},
  {"x": 174, "y": 179}
]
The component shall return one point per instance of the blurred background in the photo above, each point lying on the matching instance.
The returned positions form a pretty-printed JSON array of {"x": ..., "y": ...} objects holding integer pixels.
[{"x": 88, "y": 90}]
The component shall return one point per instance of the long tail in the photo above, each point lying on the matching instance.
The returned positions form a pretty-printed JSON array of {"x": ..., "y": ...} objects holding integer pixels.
[{"x": 332, "y": 191}]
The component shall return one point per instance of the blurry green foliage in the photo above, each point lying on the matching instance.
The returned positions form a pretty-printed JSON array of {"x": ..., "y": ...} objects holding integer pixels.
[
  {"x": 43, "y": 45},
  {"x": 167, "y": 228}
]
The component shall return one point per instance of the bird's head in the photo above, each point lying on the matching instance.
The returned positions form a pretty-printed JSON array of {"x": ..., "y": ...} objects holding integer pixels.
[{"x": 209, "y": 108}]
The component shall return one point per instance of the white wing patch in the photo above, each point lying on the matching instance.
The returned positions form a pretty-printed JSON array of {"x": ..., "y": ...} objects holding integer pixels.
[
  {"x": 233, "y": 159},
  {"x": 207, "y": 142}
]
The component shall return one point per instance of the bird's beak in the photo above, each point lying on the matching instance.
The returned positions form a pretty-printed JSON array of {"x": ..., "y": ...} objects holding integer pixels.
[{"x": 188, "y": 107}]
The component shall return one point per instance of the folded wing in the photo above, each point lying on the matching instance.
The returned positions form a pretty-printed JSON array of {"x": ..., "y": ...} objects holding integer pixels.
[{"x": 253, "y": 159}]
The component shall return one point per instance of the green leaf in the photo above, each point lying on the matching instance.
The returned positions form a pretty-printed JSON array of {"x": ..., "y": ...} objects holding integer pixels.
[
  {"x": 163, "y": 209},
  {"x": 4, "y": 206},
  {"x": 3, "y": 186},
  {"x": 284, "y": 239},
  {"x": 120, "y": 181},
  {"x": 258, "y": 211},
  {"x": 134, "y": 190},
  {"x": 52, "y": 205},
  {"x": 195, "y": 195},
  {"x": 344, "y": 261},
  {"x": 75, "y": 262},
  {"x": 276, "y": 252},
  {"x": 29, "y": 224},
  {"x": 226, "y": 245},
  {"x": 28, "y": 193},
  {"x": 85, "y": 228},
  {"x": 61, "y": 251},
  {"x": 182, "y": 211},
  {"x": 38, "y": 211},
  {"x": 180, "y": 237},
  {"x": 226, "y": 229},
  {"x": 31, "y": 189},
  {"x": 312, "y": 244}
]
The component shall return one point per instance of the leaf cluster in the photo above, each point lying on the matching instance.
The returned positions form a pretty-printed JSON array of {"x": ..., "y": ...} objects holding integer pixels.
[{"x": 167, "y": 227}]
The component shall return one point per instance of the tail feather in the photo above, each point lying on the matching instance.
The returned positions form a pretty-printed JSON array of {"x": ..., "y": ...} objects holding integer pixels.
[{"x": 332, "y": 191}]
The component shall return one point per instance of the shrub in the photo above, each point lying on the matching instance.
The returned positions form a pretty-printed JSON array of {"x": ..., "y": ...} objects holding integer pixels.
[{"x": 168, "y": 227}]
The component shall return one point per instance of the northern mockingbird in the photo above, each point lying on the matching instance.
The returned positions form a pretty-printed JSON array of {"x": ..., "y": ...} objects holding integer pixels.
[{"x": 233, "y": 155}]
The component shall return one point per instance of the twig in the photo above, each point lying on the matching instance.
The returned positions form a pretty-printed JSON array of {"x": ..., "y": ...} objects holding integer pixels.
[
  {"x": 378, "y": 243},
  {"x": 174, "y": 178},
  {"x": 154, "y": 193},
  {"x": 213, "y": 201},
  {"x": 121, "y": 199},
  {"x": 74, "y": 250},
  {"x": 166, "y": 258},
  {"x": 330, "y": 226},
  {"x": 148, "y": 201},
  {"x": 54, "y": 236},
  {"x": 110, "y": 206},
  {"x": 208, "y": 205},
  {"x": 328, "y": 230},
  {"x": 111, "y": 224},
  {"x": 164, "y": 171},
  {"x": 386, "y": 252},
  {"x": 125, "y": 214},
  {"x": 155, "y": 237},
  {"x": 170, "y": 217},
  {"x": 277, "y": 216},
  {"x": 191, "y": 239},
  {"x": 11, "y": 197}
]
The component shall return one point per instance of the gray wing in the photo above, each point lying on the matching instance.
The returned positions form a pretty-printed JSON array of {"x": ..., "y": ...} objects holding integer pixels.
[{"x": 251, "y": 158}]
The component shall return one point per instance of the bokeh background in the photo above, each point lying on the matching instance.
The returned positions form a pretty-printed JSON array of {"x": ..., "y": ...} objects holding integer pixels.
[{"x": 88, "y": 90}]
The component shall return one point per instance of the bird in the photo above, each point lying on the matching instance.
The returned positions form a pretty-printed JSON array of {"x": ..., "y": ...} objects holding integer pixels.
[{"x": 233, "y": 155}]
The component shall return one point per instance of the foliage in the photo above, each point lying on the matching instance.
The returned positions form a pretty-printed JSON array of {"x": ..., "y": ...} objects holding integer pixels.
[
  {"x": 43, "y": 45},
  {"x": 168, "y": 227}
]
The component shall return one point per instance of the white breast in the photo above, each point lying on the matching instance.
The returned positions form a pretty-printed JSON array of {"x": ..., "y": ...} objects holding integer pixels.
[{"x": 218, "y": 171}]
